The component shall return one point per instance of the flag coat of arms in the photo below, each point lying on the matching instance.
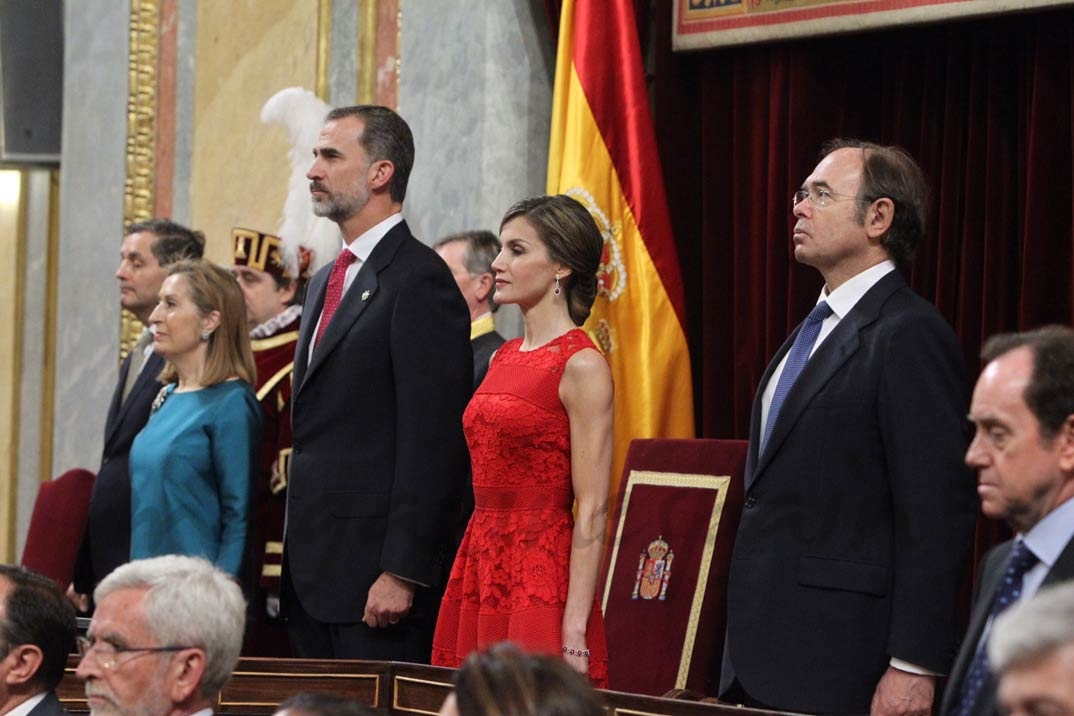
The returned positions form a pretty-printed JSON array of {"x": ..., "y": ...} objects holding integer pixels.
[{"x": 603, "y": 153}]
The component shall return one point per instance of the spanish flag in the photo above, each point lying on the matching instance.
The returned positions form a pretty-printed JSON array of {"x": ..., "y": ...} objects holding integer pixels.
[{"x": 603, "y": 153}]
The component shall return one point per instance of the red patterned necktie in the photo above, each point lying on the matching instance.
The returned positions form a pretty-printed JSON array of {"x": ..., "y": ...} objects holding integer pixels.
[{"x": 334, "y": 293}]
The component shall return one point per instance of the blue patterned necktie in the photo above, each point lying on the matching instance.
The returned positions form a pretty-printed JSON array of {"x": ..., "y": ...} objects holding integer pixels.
[
  {"x": 796, "y": 360},
  {"x": 1007, "y": 593}
]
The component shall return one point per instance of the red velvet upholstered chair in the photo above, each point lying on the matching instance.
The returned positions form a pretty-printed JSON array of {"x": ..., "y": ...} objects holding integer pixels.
[
  {"x": 665, "y": 569},
  {"x": 57, "y": 524}
]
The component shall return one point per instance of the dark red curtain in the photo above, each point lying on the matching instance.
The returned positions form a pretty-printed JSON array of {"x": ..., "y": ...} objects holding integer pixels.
[{"x": 985, "y": 106}]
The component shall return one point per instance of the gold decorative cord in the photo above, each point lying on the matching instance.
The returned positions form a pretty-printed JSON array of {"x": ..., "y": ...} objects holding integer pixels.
[{"x": 139, "y": 188}]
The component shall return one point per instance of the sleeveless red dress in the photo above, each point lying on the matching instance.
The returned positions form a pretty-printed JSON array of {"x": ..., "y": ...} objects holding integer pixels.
[{"x": 509, "y": 580}]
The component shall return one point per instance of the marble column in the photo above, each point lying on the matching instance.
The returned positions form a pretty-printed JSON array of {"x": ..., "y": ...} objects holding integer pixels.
[
  {"x": 475, "y": 84},
  {"x": 92, "y": 174}
]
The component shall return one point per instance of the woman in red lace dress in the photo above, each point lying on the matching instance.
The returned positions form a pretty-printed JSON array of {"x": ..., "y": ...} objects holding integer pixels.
[{"x": 540, "y": 434}]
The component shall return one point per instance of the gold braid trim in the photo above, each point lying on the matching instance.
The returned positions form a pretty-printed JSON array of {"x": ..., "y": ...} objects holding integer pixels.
[
  {"x": 263, "y": 344},
  {"x": 275, "y": 380}
]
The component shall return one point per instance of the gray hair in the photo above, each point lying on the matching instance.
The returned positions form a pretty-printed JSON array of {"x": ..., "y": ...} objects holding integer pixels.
[
  {"x": 189, "y": 603},
  {"x": 482, "y": 247},
  {"x": 1033, "y": 628}
]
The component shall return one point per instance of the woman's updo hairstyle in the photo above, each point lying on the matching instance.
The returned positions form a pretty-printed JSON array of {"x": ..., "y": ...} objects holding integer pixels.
[{"x": 573, "y": 239}]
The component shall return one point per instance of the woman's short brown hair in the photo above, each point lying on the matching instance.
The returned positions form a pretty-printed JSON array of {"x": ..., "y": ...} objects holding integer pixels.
[{"x": 228, "y": 353}]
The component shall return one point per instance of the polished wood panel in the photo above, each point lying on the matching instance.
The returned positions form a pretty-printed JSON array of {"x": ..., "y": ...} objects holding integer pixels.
[
  {"x": 418, "y": 689},
  {"x": 258, "y": 685}
]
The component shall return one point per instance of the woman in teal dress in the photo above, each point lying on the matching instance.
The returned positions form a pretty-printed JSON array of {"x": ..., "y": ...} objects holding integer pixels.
[{"x": 191, "y": 465}]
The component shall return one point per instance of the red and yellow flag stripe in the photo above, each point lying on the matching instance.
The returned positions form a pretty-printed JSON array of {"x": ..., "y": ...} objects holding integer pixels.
[{"x": 603, "y": 153}]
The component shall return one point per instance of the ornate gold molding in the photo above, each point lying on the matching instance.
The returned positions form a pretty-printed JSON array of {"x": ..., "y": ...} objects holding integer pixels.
[
  {"x": 367, "y": 51},
  {"x": 324, "y": 48},
  {"x": 48, "y": 368},
  {"x": 13, "y": 297},
  {"x": 139, "y": 187}
]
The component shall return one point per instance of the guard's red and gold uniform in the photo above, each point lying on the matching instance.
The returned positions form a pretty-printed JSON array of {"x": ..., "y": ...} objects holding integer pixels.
[
  {"x": 275, "y": 357},
  {"x": 273, "y": 343}
]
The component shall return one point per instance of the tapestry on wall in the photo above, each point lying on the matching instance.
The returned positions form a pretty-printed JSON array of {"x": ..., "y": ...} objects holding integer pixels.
[{"x": 700, "y": 24}]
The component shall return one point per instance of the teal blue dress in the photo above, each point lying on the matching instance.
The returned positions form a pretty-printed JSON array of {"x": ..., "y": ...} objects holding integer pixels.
[{"x": 191, "y": 468}]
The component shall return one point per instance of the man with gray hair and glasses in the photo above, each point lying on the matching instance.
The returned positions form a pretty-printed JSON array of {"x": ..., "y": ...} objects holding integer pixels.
[
  {"x": 164, "y": 639},
  {"x": 1032, "y": 653}
]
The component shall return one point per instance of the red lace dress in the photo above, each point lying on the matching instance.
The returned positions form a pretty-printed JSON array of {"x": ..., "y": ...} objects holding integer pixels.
[{"x": 509, "y": 580}]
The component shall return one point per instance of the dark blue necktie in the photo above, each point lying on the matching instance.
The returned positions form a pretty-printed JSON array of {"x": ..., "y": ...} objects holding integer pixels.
[
  {"x": 796, "y": 360},
  {"x": 1007, "y": 593}
]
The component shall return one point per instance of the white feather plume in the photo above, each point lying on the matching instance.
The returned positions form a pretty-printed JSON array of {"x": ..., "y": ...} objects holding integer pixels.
[{"x": 301, "y": 113}]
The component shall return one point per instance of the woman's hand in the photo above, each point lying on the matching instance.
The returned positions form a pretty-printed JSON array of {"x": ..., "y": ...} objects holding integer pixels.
[{"x": 577, "y": 658}]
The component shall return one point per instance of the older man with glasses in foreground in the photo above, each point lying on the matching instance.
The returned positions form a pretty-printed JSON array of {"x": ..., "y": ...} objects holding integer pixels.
[
  {"x": 1032, "y": 653},
  {"x": 164, "y": 639}
]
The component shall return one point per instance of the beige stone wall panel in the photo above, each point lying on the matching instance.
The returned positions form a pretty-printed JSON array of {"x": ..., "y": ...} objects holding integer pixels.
[{"x": 246, "y": 51}]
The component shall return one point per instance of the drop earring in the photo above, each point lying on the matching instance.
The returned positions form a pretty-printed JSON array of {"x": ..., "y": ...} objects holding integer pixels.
[
  {"x": 557, "y": 290},
  {"x": 205, "y": 336}
]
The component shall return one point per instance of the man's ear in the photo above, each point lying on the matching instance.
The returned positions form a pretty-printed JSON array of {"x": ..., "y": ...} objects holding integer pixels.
[
  {"x": 24, "y": 661},
  {"x": 485, "y": 282},
  {"x": 878, "y": 217},
  {"x": 380, "y": 174},
  {"x": 1065, "y": 436},
  {"x": 287, "y": 293},
  {"x": 185, "y": 674}
]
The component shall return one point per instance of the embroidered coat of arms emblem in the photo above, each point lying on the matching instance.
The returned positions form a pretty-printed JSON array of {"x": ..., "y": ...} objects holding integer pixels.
[{"x": 654, "y": 571}]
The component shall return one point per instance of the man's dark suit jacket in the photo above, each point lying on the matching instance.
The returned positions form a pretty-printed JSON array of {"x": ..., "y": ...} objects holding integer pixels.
[
  {"x": 858, "y": 516},
  {"x": 484, "y": 346},
  {"x": 49, "y": 706},
  {"x": 107, "y": 540},
  {"x": 379, "y": 458},
  {"x": 992, "y": 568}
]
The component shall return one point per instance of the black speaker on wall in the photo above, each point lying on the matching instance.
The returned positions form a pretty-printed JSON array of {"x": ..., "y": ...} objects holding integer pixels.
[{"x": 31, "y": 68}]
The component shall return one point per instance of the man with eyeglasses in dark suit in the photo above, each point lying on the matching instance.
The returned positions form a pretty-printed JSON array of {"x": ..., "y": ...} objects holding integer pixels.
[{"x": 858, "y": 512}]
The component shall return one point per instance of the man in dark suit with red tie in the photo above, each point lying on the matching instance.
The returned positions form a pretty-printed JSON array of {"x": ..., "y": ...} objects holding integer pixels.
[
  {"x": 383, "y": 371},
  {"x": 1023, "y": 451},
  {"x": 858, "y": 512},
  {"x": 148, "y": 249}
]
